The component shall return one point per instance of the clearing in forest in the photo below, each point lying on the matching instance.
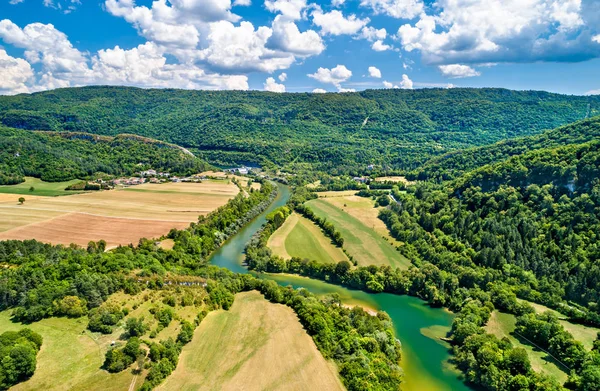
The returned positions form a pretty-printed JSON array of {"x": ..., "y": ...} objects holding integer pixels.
[
  {"x": 256, "y": 345},
  {"x": 300, "y": 237},
  {"x": 119, "y": 216},
  {"x": 366, "y": 238},
  {"x": 503, "y": 325},
  {"x": 71, "y": 356},
  {"x": 394, "y": 179},
  {"x": 40, "y": 188}
]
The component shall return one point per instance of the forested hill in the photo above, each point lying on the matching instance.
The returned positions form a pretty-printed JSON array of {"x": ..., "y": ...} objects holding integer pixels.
[
  {"x": 531, "y": 221},
  {"x": 453, "y": 164},
  {"x": 64, "y": 156},
  {"x": 400, "y": 128}
]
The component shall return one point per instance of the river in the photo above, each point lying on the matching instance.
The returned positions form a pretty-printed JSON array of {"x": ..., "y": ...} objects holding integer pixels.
[{"x": 425, "y": 358}]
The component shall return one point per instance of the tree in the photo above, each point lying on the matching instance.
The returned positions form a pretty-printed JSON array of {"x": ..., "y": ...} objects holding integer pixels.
[
  {"x": 135, "y": 327},
  {"x": 32, "y": 189},
  {"x": 21, "y": 200}
]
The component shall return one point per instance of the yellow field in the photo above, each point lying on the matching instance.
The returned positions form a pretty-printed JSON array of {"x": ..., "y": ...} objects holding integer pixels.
[
  {"x": 329, "y": 194},
  {"x": 300, "y": 237},
  {"x": 394, "y": 179},
  {"x": 256, "y": 345},
  {"x": 364, "y": 210},
  {"x": 119, "y": 216}
]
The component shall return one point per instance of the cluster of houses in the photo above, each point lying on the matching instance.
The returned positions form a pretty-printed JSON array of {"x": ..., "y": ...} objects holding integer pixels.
[
  {"x": 239, "y": 170},
  {"x": 151, "y": 176}
]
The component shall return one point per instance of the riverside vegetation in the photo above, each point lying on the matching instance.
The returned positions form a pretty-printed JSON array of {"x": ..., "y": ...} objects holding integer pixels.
[{"x": 486, "y": 227}]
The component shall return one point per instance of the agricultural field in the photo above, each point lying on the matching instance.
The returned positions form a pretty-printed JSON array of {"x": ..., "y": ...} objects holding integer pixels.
[
  {"x": 366, "y": 238},
  {"x": 256, "y": 345},
  {"x": 394, "y": 179},
  {"x": 40, "y": 188},
  {"x": 582, "y": 333},
  {"x": 300, "y": 237},
  {"x": 503, "y": 325},
  {"x": 119, "y": 216},
  {"x": 223, "y": 176},
  {"x": 82, "y": 352}
]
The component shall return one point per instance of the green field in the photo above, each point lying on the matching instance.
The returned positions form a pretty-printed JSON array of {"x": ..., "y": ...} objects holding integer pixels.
[
  {"x": 70, "y": 357},
  {"x": 256, "y": 345},
  {"x": 300, "y": 237},
  {"x": 503, "y": 325},
  {"x": 362, "y": 242},
  {"x": 41, "y": 188}
]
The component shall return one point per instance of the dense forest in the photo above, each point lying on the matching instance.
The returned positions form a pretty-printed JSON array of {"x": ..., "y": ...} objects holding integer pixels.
[
  {"x": 56, "y": 157},
  {"x": 333, "y": 132},
  {"x": 453, "y": 164}
]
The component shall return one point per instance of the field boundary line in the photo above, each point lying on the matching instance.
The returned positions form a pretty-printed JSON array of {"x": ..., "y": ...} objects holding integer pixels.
[{"x": 98, "y": 215}]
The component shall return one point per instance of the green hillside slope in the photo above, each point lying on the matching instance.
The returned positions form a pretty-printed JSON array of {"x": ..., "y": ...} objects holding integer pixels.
[{"x": 399, "y": 128}]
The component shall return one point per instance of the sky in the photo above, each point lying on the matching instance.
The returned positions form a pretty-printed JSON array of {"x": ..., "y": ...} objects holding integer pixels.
[{"x": 301, "y": 45}]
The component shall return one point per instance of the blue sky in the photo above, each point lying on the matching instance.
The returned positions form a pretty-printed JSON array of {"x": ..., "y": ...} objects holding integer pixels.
[{"x": 299, "y": 45}]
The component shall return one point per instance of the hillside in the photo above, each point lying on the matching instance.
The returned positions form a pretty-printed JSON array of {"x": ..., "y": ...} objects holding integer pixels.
[
  {"x": 455, "y": 163},
  {"x": 58, "y": 157},
  {"x": 399, "y": 128}
]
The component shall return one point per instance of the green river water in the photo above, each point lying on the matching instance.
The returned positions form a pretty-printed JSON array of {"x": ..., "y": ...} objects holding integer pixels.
[{"x": 418, "y": 327}]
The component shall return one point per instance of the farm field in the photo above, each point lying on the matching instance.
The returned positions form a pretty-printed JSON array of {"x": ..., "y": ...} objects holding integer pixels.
[
  {"x": 362, "y": 235},
  {"x": 41, "y": 188},
  {"x": 119, "y": 217},
  {"x": 256, "y": 345},
  {"x": 300, "y": 237},
  {"x": 502, "y": 325},
  {"x": 584, "y": 334},
  {"x": 393, "y": 179},
  {"x": 81, "y": 355},
  {"x": 82, "y": 352}
]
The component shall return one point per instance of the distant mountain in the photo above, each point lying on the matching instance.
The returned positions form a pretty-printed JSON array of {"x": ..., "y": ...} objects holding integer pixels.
[
  {"x": 453, "y": 164},
  {"x": 64, "y": 156},
  {"x": 395, "y": 128}
]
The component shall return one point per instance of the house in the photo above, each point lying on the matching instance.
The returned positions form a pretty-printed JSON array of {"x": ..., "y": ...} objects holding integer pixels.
[
  {"x": 243, "y": 170},
  {"x": 175, "y": 179},
  {"x": 359, "y": 179},
  {"x": 148, "y": 173}
]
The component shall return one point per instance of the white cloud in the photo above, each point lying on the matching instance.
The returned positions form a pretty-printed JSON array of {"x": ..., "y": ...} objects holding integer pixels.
[
  {"x": 289, "y": 8},
  {"x": 15, "y": 74},
  {"x": 387, "y": 84},
  {"x": 242, "y": 49},
  {"x": 406, "y": 83},
  {"x": 333, "y": 76},
  {"x": 379, "y": 46},
  {"x": 334, "y": 3},
  {"x": 287, "y": 37},
  {"x": 372, "y": 34},
  {"x": 593, "y": 92},
  {"x": 596, "y": 38},
  {"x": 282, "y": 77},
  {"x": 466, "y": 31},
  {"x": 318, "y": 91},
  {"x": 374, "y": 72},
  {"x": 342, "y": 90},
  {"x": 271, "y": 85},
  {"x": 13, "y": 2},
  {"x": 335, "y": 23},
  {"x": 458, "y": 71},
  {"x": 401, "y": 9},
  {"x": 242, "y": 3}
]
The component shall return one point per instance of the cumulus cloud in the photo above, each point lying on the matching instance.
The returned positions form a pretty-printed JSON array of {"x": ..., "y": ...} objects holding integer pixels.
[
  {"x": 287, "y": 37},
  {"x": 387, "y": 84},
  {"x": 458, "y": 71},
  {"x": 318, "y": 91},
  {"x": 13, "y": 2},
  {"x": 335, "y": 23},
  {"x": 466, "y": 31},
  {"x": 15, "y": 74},
  {"x": 289, "y": 8},
  {"x": 400, "y": 9},
  {"x": 337, "y": 3},
  {"x": 334, "y": 76},
  {"x": 379, "y": 46},
  {"x": 372, "y": 34},
  {"x": 374, "y": 72},
  {"x": 282, "y": 77},
  {"x": 271, "y": 85},
  {"x": 406, "y": 83}
]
